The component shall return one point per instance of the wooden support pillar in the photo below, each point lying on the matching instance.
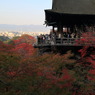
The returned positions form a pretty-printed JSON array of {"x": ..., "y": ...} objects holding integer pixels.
[
  {"x": 60, "y": 28},
  {"x": 53, "y": 28},
  {"x": 72, "y": 29},
  {"x": 68, "y": 30}
]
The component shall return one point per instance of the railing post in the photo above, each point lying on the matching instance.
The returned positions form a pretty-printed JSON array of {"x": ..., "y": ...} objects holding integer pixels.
[{"x": 61, "y": 40}]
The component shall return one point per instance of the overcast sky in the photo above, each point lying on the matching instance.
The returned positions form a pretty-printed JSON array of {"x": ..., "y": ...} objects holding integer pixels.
[{"x": 21, "y": 12}]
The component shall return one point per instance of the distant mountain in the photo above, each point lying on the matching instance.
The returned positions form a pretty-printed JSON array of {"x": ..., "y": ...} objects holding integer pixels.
[{"x": 27, "y": 28}]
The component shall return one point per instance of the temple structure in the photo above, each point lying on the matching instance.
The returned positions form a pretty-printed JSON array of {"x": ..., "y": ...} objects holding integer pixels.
[
  {"x": 69, "y": 19},
  {"x": 71, "y": 14}
]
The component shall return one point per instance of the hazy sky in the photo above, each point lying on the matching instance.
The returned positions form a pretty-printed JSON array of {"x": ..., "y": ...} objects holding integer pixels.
[{"x": 22, "y": 12}]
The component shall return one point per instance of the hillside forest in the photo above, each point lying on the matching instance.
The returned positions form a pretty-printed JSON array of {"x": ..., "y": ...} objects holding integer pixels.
[{"x": 24, "y": 72}]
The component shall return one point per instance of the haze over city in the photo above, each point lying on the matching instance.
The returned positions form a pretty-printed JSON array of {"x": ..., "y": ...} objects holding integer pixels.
[{"x": 23, "y": 16}]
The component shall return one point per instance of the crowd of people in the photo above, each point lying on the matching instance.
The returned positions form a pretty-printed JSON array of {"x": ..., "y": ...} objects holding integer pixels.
[{"x": 54, "y": 36}]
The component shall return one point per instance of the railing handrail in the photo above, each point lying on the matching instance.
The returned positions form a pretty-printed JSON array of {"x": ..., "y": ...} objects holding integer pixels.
[{"x": 63, "y": 41}]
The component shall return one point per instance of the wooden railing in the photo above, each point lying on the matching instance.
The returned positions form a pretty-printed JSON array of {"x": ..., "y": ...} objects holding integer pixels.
[
  {"x": 57, "y": 42},
  {"x": 66, "y": 42}
]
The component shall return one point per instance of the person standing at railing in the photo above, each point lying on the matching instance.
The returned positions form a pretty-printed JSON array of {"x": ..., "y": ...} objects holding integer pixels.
[
  {"x": 72, "y": 35},
  {"x": 72, "y": 38},
  {"x": 43, "y": 39},
  {"x": 48, "y": 39},
  {"x": 69, "y": 38},
  {"x": 76, "y": 35},
  {"x": 38, "y": 40},
  {"x": 65, "y": 34},
  {"x": 59, "y": 36},
  {"x": 53, "y": 37}
]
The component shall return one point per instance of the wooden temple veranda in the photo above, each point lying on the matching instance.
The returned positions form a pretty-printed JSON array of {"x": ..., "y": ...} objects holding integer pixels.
[{"x": 69, "y": 19}]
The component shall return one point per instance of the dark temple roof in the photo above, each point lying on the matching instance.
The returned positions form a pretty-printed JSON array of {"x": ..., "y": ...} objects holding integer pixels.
[{"x": 74, "y": 6}]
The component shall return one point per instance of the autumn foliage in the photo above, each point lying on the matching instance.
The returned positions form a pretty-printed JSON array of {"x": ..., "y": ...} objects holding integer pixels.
[
  {"x": 86, "y": 39},
  {"x": 24, "y": 72}
]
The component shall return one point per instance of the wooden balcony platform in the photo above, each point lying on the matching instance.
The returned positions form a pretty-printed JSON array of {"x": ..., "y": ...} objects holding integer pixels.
[
  {"x": 56, "y": 42},
  {"x": 61, "y": 42}
]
